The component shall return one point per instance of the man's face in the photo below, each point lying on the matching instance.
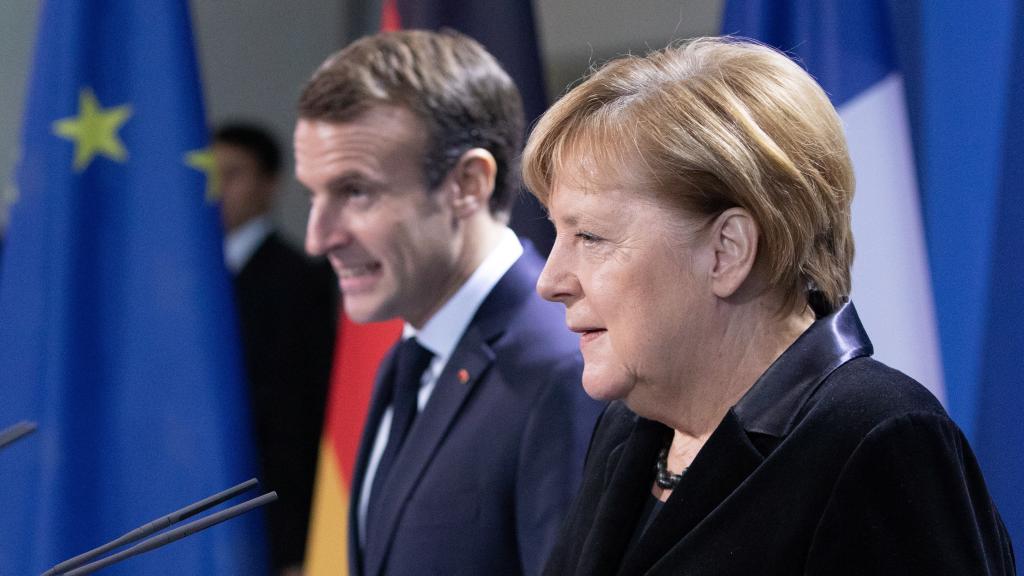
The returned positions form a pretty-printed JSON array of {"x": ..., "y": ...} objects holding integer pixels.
[
  {"x": 393, "y": 244},
  {"x": 246, "y": 191}
]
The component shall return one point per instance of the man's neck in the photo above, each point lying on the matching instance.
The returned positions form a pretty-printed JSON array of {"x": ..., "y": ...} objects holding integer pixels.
[
  {"x": 443, "y": 329},
  {"x": 478, "y": 240}
]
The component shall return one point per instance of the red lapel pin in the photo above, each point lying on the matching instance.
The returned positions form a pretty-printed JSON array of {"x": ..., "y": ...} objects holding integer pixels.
[{"x": 463, "y": 375}]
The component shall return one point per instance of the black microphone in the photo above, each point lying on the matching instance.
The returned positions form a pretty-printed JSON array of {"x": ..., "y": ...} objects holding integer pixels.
[
  {"x": 16, "y": 432},
  {"x": 153, "y": 526},
  {"x": 176, "y": 534}
]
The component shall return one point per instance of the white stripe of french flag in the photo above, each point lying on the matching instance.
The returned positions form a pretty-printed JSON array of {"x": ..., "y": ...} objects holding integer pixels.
[{"x": 891, "y": 278}]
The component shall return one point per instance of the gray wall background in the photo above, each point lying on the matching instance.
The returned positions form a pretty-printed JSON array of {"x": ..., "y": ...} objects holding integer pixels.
[{"x": 255, "y": 54}]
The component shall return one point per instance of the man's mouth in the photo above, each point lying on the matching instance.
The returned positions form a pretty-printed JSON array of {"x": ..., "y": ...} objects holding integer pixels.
[{"x": 358, "y": 271}]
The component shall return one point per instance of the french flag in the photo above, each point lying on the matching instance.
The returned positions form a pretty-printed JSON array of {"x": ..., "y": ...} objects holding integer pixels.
[
  {"x": 846, "y": 46},
  {"x": 938, "y": 276}
]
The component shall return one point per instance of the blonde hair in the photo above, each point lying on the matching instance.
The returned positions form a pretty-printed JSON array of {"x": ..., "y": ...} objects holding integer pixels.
[{"x": 710, "y": 124}]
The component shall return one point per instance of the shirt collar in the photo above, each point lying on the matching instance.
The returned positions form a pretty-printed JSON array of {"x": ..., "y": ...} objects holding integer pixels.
[
  {"x": 241, "y": 244},
  {"x": 772, "y": 405},
  {"x": 444, "y": 329}
]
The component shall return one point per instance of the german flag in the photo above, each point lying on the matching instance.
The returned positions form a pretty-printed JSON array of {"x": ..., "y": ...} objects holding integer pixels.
[{"x": 359, "y": 349}]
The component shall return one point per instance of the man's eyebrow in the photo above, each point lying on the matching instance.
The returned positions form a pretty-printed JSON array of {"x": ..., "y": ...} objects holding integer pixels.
[{"x": 348, "y": 177}]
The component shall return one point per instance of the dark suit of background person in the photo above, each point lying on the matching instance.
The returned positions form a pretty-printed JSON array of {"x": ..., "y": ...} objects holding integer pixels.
[
  {"x": 407, "y": 143},
  {"x": 784, "y": 487},
  {"x": 286, "y": 310}
]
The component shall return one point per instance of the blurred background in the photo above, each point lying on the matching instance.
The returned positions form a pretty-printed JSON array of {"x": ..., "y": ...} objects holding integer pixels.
[{"x": 255, "y": 54}]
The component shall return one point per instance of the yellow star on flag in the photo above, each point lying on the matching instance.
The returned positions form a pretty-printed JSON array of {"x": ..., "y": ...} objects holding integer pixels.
[
  {"x": 202, "y": 160},
  {"x": 94, "y": 130}
]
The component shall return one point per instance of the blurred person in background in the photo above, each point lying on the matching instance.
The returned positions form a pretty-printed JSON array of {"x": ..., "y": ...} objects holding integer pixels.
[{"x": 286, "y": 309}]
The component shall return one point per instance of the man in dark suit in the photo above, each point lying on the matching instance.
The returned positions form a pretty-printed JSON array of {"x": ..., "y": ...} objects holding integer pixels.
[
  {"x": 473, "y": 446},
  {"x": 286, "y": 309}
]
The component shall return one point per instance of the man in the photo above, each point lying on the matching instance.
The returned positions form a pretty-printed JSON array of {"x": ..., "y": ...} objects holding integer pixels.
[
  {"x": 407, "y": 142},
  {"x": 286, "y": 308}
]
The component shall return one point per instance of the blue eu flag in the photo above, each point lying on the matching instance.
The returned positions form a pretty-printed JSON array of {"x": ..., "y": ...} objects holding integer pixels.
[{"x": 117, "y": 328}]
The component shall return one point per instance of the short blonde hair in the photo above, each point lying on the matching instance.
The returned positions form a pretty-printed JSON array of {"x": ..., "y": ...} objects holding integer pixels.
[{"x": 710, "y": 124}]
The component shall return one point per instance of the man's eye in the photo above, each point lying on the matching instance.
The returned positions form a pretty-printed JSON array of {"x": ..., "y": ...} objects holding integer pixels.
[
  {"x": 588, "y": 238},
  {"x": 354, "y": 191}
]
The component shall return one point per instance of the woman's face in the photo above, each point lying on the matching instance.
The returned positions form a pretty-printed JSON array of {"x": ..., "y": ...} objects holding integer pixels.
[{"x": 633, "y": 276}]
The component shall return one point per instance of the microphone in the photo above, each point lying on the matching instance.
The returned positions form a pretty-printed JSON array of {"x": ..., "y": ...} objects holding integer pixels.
[
  {"x": 176, "y": 534},
  {"x": 16, "y": 432},
  {"x": 155, "y": 526}
]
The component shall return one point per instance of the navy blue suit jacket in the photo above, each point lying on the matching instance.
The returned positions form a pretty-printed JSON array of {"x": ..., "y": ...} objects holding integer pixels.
[{"x": 486, "y": 475}]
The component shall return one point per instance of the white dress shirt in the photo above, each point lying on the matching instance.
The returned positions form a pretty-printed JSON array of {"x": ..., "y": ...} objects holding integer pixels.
[
  {"x": 240, "y": 245},
  {"x": 440, "y": 335}
]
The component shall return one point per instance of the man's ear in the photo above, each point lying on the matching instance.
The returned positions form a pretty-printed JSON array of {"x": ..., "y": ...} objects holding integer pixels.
[
  {"x": 734, "y": 240},
  {"x": 473, "y": 178}
]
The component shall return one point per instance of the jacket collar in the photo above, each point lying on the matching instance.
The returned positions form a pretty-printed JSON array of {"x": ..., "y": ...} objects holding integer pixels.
[
  {"x": 774, "y": 403},
  {"x": 516, "y": 287},
  {"x": 770, "y": 407}
]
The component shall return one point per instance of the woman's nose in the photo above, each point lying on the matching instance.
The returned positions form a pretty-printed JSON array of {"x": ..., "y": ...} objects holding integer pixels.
[{"x": 557, "y": 282}]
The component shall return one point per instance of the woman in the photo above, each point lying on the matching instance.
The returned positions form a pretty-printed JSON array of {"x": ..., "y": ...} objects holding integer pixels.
[{"x": 701, "y": 197}]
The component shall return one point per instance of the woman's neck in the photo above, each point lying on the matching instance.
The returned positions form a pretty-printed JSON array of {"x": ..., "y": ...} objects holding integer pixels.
[{"x": 747, "y": 342}]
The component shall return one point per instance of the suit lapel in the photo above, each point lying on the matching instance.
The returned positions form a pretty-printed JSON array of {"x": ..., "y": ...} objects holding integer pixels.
[
  {"x": 378, "y": 403},
  {"x": 722, "y": 464},
  {"x": 469, "y": 362},
  {"x": 472, "y": 358}
]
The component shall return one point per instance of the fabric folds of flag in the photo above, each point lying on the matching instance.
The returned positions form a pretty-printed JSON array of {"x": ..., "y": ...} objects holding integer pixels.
[
  {"x": 117, "y": 329},
  {"x": 999, "y": 433},
  {"x": 848, "y": 49}
]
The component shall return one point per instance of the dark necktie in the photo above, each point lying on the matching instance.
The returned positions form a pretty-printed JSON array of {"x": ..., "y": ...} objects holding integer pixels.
[{"x": 410, "y": 362}]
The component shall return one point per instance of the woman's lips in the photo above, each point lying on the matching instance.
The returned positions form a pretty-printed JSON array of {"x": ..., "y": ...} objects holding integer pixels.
[{"x": 589, "y": 335}]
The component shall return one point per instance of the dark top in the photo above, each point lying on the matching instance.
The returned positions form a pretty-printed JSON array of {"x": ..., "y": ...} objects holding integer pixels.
[
  {"x": 286, "y": 306},
  {"x": 831, "y": 464},
  {"x": 647, "y": 515}
]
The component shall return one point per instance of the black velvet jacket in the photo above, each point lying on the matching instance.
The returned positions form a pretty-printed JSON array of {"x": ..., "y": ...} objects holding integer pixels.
[{"x": 831, "y": 464}]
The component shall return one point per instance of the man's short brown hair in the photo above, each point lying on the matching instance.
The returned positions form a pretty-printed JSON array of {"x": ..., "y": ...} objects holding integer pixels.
[{"x": 446, "y": 79}]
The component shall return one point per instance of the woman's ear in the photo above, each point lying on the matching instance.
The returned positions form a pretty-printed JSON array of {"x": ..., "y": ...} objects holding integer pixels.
[
  {"x": 734, "y": 240},
  {"x": 473, "y": 176}
]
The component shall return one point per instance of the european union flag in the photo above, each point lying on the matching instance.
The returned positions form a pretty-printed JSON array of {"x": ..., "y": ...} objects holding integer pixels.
[{"x": 117, "y": 329}]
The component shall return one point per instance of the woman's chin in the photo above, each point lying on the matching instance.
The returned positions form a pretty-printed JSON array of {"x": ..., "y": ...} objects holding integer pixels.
[{"x": 600, "y": 387}]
